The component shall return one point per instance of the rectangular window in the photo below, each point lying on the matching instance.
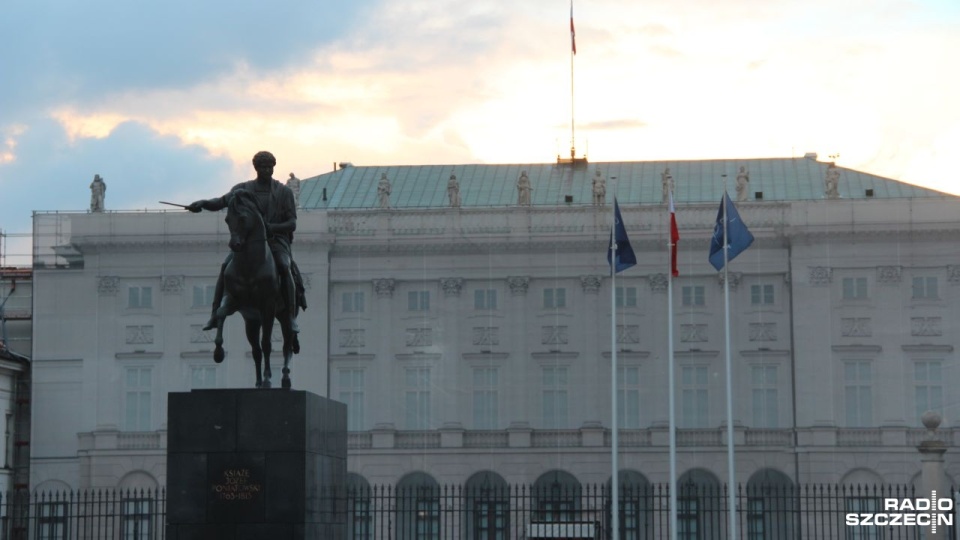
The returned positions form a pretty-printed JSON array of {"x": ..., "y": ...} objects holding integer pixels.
[
  {"x": 628, "y": 397},
  {"x": 137, "y": 519},
  {"x": 626, "y": 297},
  {"x": 761, "y": 295},
  {"x": 854, "y": 288},
  {"x": 52, "y": 520},
  {"x": 485, "y": 398},
  {"x": 427, "y": 518},
  {"x": 491, "y": 519},
  {"x": 925, "y": 288},
  {"x": 694, "y": 410},
  {"x": 417, "y": 398},
  {"x": 141, "y": 297},
  {"x": 863, "y": 505},
  {"x": 418, "y": 301},
  {"x": 350, "y": 386},
  {"x": 554, "y": 298},
  {"x": 353, "y": 302},
  {"x": 203, "y": 377},
  {"x": 137, "y": 399},
  {"x": 688, "y": 518},
  {"x": 485, "y": 299},
  {"x": 928, "y": 387},
  {"x": 555, "y": 397},
  {"x": 360, "y": 518},
  {"x": 765, "y": 409},
  {"x": 858, "y": 393},
  {"x": 203, "y": 295},
  {"x": 693, "y": 295},
  {"x": 755, "y": 521}
]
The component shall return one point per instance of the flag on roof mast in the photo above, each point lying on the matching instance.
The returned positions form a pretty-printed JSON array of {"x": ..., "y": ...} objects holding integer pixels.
[
  {"x": 624, "y": 256},
  {"x": 674, "y": 239},
  {"x": 739, "y": 237},
  {"x": 573, "y": 34}
]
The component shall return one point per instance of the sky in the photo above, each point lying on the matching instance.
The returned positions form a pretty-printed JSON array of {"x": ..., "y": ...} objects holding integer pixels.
[{"x": 170, "y": 100}]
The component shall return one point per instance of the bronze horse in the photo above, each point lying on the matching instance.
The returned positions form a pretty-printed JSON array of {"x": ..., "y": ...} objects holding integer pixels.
[{"x": 252, "y": 287}]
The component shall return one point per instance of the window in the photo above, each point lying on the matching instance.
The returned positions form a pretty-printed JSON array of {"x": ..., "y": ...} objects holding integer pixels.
[
  {"x": 485, "y": 299},
  {"x": 137, "y": 519},
  {"x": 858, "y": 394},
  {"x": 427, "y": 515},
  {"x": 761, "y": 295},
  {"x": 353, "y": 302},
  {"x": 491, "y": 518},
  {"x": 755, "y": 515},
  {"x": 555, "y": 397},
  {"x": 862, "y": 505},
  {"x": 137, "y": 399},
  {"x": 928, "y": 387},
  {"x": 360, "y": 518},
  {"x": 854, "y": 288},
  {"x": 141, "y": 298},
  {"x": 628, "y": 397},
  {"x": 52, "y": 521},
  {"x": 693, "y": 295},
  {"x": 485, "y": 406},
  {"x": 765, "y": 410},
  {"x": 203, "y": 377},
  {"x": 694, "y": 409},
  {"x": 350, "y": 384},
  {"x": 554, "y": 298},
  {"x": 688, "y": 518},
  {"x": 203, "y": 295},
  {"x": 418, "y": 301},
  {"x": 925, "y": 288},
  {"x": 626, "y": 297},
  {"x": 417, "y": 398}
]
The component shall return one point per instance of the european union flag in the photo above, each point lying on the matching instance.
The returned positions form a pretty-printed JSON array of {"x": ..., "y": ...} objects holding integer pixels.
[
  {"x": 625, "y": 256},
  {"x": 739, "y": 237}
]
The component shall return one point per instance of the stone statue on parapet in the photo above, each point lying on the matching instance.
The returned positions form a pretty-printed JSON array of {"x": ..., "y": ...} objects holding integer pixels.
[
  {"x": 259, "y": 277},
  {"x": 743, "y": 185},
  {"x": 383, "y": 191},
  {"x": 666, "y": 184},
  {"x": 453, "y": 191},
  {"x": 831, "y": 181},
  {"x": 98, "y": 191},
  {"x": 523, "y": 189},
  {"x": 599, "y": 189},
  {"x": 294, "y": 184}
]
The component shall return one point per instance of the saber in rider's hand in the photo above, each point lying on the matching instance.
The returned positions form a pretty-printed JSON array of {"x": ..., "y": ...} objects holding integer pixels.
[{"x": 173, "y": 204}]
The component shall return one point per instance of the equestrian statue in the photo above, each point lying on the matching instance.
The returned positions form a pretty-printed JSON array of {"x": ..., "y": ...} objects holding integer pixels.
[{"x": 259, "y": 278}]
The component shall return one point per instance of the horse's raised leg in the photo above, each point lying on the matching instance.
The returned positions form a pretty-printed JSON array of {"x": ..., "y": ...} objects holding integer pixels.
[
  {"x": 226, "y": 309},
  {"x": 253, "y": 337},
  {"x": 290, "y": 345},
  {"x": 266, "y": 345}
]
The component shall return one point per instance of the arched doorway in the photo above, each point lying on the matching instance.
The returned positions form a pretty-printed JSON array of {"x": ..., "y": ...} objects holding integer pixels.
[
  {"x": 487, "y": 500},
  {"x": 771, "y": 505},
  {"x": 418, "y": 507}
]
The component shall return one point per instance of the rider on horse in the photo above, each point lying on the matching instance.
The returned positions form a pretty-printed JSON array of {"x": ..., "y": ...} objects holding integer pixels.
[{"x": 279, "y": 210}]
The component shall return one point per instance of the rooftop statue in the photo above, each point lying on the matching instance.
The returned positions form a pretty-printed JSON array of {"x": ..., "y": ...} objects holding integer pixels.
[
  {"x": 259, "y": 277},
  {"x": 294, "y": 184},
  {"x": 98, "y": 191},
  {"x": 523, "y": 189},
  {"x": 599, "y": 189},
  {"x": 743, "y": 184}
]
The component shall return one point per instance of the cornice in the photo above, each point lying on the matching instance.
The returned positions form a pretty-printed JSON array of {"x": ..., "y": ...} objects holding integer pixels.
[
  {"x": 482, "y": 356},
  {"x": 857, "y": 349},
  {"x": 627, "y": 355},
  {"x": 554, "y": 355},
  {"x": 927, "y": 348},
  {"x": 138, "y": 355},
  {"x": 763, "y": 353},
  {"x": 419, "y": 357},
  {"x": 351, "y": 357}
]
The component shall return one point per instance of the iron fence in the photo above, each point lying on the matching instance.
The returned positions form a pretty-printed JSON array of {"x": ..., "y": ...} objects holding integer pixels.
[{"x": 501, "y": 512}]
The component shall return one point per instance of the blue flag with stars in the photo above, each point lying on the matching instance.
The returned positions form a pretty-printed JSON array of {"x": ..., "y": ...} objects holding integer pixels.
[
  {"x": 625, "y": 257},
  {"x": 739, "y": 237}
]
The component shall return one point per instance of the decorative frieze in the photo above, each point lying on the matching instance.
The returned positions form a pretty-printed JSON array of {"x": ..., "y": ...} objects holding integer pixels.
[
  {"x": 172, "y": 284},
  {"x": 486, "y": 335},
  {"x": 693, "y": 333},
  {"x": 658, "y": 282},
  {"x": 139, "y": 335},
  {"x": 384, "y": 287},
  {"x": 108, "y": 284},
  {"x": 926, "y": 326},
  {"x": 766, "y": 331},
  {"x": 518, "y": 285},
  {"x": 591, "y": 284},
  {"x": 735, "y": 278},
  {"x": 353, "y": 338},
  {"x": 821, "y": 275},
  {"x": 856, "y": 327},
  {"x": 419, "y": 337},
  {"x": 628, "y": 334},
  {"x": 889, "y": 275},
  {"x": 554, "y": 335},
  {"x": 451, "y": 286},
  {"x": 199, "y": 335}
]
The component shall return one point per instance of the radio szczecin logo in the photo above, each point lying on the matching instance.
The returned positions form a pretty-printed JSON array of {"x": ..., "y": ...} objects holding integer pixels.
[{"x": 930, "y": 512}]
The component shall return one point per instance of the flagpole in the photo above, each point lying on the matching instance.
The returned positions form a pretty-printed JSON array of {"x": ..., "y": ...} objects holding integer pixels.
[
  {"x": 614, "y": 439},
  {"x": 573, "y": 52},
  {"x": 731, "y": 478},
  {"x": 670, "y": 381}
]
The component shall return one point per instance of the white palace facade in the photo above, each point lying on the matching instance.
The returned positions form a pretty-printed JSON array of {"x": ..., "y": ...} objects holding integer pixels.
[{"x": 472, "y": 334}]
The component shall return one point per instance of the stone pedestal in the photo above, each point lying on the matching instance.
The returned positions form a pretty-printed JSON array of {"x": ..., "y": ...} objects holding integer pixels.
[{"x": 255, "y": 464}]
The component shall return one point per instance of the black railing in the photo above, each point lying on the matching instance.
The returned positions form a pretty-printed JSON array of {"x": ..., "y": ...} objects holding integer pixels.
[{"x": 501, "y": 512}]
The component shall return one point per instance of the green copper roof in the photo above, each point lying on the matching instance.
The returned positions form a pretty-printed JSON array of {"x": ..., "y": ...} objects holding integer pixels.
[{"x": 635, "y": 182}]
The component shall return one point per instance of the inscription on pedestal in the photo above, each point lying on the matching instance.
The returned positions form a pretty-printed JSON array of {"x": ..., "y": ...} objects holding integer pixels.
[{"x": 236, "y": 485}]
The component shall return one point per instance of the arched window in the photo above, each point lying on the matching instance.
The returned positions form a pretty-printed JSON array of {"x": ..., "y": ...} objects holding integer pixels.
[
  {"x": 635, "y": 504},
  {"x": 359, "y": 508},
  {"x": 556, "y": 496},
  {"x": 487, "y": 498},
  {"x": 699, "y": 503},
  {"x": 418, "y": 506},
  {"x": 771, "y": 504}
]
